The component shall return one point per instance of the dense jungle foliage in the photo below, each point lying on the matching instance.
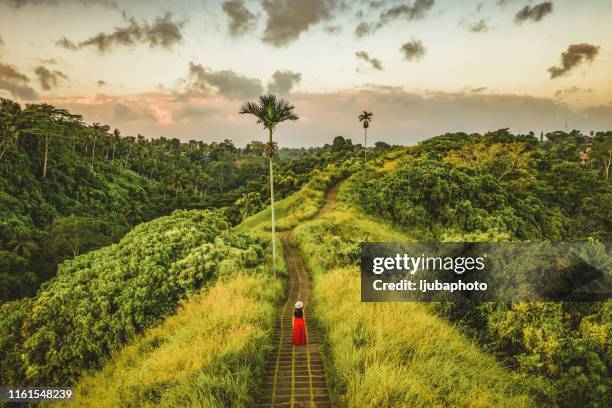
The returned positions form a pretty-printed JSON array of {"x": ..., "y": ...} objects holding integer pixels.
[
  {"x": 501, "y": 187},
  {"x": 513, "y": 186},
  {"x": 67, "y": 187},
  {"x": 100, "y": 300}
]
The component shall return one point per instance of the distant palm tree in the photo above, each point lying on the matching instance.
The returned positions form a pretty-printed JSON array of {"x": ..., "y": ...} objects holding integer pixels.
[
  {"x": 22, "y": 244},
  {"x": 97, "y": 131},
  {"x": 51, "y": 119},
  {"x": 115, "y": 139},
  {"x": 10, "y": 136},
  {"x": 269, "y": 112},
  {"x": 93, "y": 135},
  {"x": 366, "y": 118}
]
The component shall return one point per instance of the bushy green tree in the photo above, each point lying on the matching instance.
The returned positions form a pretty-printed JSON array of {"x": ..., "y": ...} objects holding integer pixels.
[{"x": 100, "y": 300}]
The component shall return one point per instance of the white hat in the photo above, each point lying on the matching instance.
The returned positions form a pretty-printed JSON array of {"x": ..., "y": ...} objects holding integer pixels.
[{"x": 299, "y": 304}]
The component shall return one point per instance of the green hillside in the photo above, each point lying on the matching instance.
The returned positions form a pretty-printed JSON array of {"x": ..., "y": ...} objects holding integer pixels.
[
  {"x": 101, "y": 300},
  {"x": 67, "y": 187},
  {"x": 554, "y": 354},
  {"x": 180, "y": 310}
]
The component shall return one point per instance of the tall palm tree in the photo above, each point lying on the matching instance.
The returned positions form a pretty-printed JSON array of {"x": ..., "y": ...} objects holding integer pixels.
[
  {"x": 366, "y": 118},
  {"x": 115, "y": 139},
  {"x": 51, "y": 119},
  {"x": 270, "y": 111}
]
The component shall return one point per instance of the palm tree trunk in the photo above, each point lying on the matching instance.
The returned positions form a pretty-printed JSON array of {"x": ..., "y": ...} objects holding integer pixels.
[
  {"x": 93, "y": 154},
  {"x": 365, "y": 145},
  {"x": 272, "y": 209},
  {"x": 46, "y": 153}
]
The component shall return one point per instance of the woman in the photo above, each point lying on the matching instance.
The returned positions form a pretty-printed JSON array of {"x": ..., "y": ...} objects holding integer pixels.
[{"x": 299, "y": 328}]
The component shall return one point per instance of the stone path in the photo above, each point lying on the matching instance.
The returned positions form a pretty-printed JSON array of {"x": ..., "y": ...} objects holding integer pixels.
[{"x": 295, "y": 375}]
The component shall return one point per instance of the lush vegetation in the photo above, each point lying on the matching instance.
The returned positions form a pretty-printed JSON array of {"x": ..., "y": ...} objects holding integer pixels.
[
  {"x": 500, "y": 187},
  {"x": 67, "y": 187},
  {"x": 498, "y": 183},
  {"x": 141, "y": 312},
  {"x": 391, "y": 354},
  {"x": 211, "y": 353},
  {"x": 99, "y": 301}
]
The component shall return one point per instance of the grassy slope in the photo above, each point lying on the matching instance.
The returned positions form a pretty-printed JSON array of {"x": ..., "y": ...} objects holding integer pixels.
[
  {"x": 208, "y": 354},
  {"x": 211, "y": 352},
  {"x": 219, "y": 371},
  {"x": 391, "y": 354},
  {"x": 298, "y": 207}
]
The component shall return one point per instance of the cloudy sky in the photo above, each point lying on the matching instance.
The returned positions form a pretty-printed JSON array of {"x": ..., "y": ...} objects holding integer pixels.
[{"x": 424, "y": 67}]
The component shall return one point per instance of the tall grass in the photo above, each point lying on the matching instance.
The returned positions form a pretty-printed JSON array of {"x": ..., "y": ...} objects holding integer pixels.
[
  {"x": 209, "y": 354},
  {"x": 301, "y": 206},
  {"x": 398, "y": 355},
  {"x": 391, "y": 354}
]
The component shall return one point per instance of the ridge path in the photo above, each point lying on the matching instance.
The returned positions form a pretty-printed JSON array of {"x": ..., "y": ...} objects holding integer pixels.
[{"x": 295, "y": 375}]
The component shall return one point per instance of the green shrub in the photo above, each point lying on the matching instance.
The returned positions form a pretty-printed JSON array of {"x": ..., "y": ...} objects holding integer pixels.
[
  {"x": 566, "y": 344},
  {"x": 102, "y": 299}
]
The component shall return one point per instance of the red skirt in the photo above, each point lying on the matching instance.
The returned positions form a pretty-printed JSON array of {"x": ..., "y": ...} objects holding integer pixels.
[{"x": 299, "y": 332}]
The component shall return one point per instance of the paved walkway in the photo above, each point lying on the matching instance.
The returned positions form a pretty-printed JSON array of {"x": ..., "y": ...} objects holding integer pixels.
[{"x": 295, "y": 375}]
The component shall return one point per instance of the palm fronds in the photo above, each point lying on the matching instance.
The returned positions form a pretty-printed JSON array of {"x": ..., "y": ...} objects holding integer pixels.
[
  {"x": 366, "y": 118},
  {"x": 270, "y": 110}
]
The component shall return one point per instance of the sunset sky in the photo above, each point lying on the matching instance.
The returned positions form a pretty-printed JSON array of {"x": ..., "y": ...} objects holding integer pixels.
[{"x": 182, "y": 68}]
